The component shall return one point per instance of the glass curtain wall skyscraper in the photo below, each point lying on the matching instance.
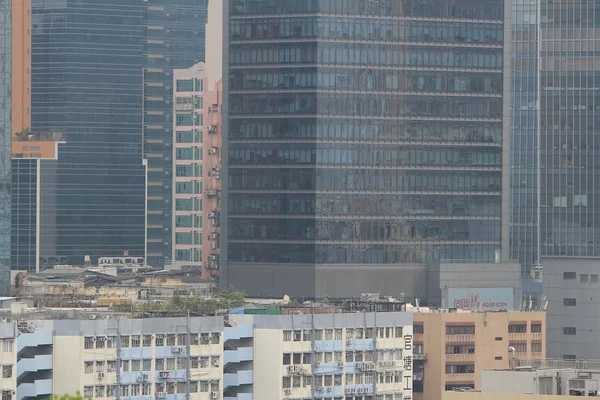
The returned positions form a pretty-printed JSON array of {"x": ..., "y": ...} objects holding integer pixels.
[
  {"x": 86, "y": 80},
  {"x": 556, "y": 162},
  {"x": 362, "y": 137}
]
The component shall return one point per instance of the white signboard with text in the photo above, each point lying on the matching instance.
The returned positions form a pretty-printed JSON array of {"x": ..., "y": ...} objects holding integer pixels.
[{"x": 482, "y": 298}]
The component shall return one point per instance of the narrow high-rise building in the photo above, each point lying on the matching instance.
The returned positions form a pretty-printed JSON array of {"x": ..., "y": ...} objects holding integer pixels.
[
  {"x": 197, "y": 166},
  {"x": 5, "y": 141},
  {"x": 174, "y": 38},
  {"x": 363, "y": 139}
]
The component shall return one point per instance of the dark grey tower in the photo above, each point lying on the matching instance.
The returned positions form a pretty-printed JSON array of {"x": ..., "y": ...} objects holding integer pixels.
[{"x": 365, "y": 140}]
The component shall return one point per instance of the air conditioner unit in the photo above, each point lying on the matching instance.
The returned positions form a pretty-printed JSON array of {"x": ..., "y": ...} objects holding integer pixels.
[
  {"x": 348, "y": 341},
  {"x": 100, "y": 375},
  {"x": 101, "y": 339},
  {"x": 318, "y": 364},
  {"x": 214, "y": 395},
  {"x": 140, "y": 378},
  {"x": 213, "y": 236},
  {"x": 145, "y": 377},
  {"x": 287, "y": 392},
  {"x": 161, "y": 395},
  {"x": 212, "y": 214},
  {"x": 213, "y": 150},
  {"x": 164, "y": 374},
  {"x": 213, "y": 245},
  {"x": 360, "y": 365},
  {"x": 353, "y": 390},
  {"x": 349, "y": 390},
  {"x": 330, "y": 389},
  {"x": 177, "y": 349}
]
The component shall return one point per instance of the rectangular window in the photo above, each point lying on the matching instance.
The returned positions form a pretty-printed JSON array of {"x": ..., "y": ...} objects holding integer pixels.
[
  {"x": 183, "y": 238},
  {"x": 569, "y": 330},
  {"x": 183, "y": 221},
  {"x": 124, "y": 341},
  {"x": 569, "y": 275},
  {"x": 517, "y": 328},
  {"x": 536, "y": 328},
  {"x": 184, "y": 120},
  {"x": 135, "y": 341},
  {"x": 418, "y": 329},
  {"x": 88, "y": 343},
  {"x": 536, "y": 347},
  {"x": 89, "y": 367},
  {"x": 184, "y": 136},
  {"x": 185, "y": 85},
  {"x": 583, "y": 278},
  {"x": 460, "y": 368},
  {"x": 147, "y": 341},
  {"x": 569, "y": 357},
  {"x": 135, "y": 365},
  {"x": 519, "y": 347},
  {"x": 569, "y": 302},
  {"x": 147, "y": 365},
  {"x": 287, "y": 336},
  {"x": 460, "y": 329},
  {"x": 593, "y": 278}
]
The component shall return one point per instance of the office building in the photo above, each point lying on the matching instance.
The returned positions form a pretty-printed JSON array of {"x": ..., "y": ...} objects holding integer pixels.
[
  {"x": 174, "y": 38},
  {"x": 373, "y": 138},
  {"x": 453, "y": 348},
  {"x": 89, "y": 89},
  {"x": 555, "y": 200},
  {"x": 5, "y": 141},
  {"x": 355, "y": 356},
  {"x": 197, "y": 166}
]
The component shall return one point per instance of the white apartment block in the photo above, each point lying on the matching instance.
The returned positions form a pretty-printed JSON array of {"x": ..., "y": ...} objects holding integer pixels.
[{"x": 360, "y": 356}]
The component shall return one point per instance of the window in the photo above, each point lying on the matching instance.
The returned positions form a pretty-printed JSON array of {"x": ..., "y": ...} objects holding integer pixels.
[
  {"x": 498, "y": 358},
  {"x": 88, "y": 391},
  {"x": 569, "y": 330},
  {"x": 8, "y": 345},
  {"x": 159, "y": 364},
  {"x": 287, "y": 382},
  {"x": 99, "y": 366},
  {"x": 7, "y": 394},
  {"x": 519, "y": 347},
  {"x": 185, "y": 85},
  {"x": 460, "y": 329},
  {"x": 287, "y": 336},
  {"x": 111, "y": 366},
  {"x": 536, "y": 347},
  {"x": 146, "y": 389},
  {"x": 569, "y": 275},
  {"x": 418, "y": 329},
  {"x": 99, "y": 391},
  {"x": 135, "y": 341},
  {"x": 111, "y": 342},
  {"x": 328, "y": 334},
  {"x": 181, "y": 340},
  {"x": 89, "y": 367},
  {"x": 147, "y": 365},
  {"x": 100, "y": 342},
  {"x": 214, "y": 361},
  {"x": 147, "y": 341},
  {"x": 536, "y": 328},
  {"x": 160, "y": 340},
  {"x": 460, "y": 349},
  {"x": 287, "y": 359},
  {"x": 135, "y": 390},
  {"x": 135, "y": 365},
  {"x": 124, "y": 341},
  {"x": 307, "y": 335},
  {"x": 194, "y": 387},
  {"x": 498, "y": 338},
  {"x": 307, "y": 358},
  {"x": 517, "y": 328},
  {"x": 194, "y": 363},
  {"x": 583, "y": 278},
  {"x": 203, "y": 362},
  {"x": 88, "y": 343},
  {"x": 460, "y": 368},
  {"x": 568, "y": 302},
  {"x": 204, "y": 338},
  {"x": 338, "y": 334},
  {"x": 124, "y": 365},
  {"x": 170, "y": 340},
  {"x": 181, "y": 363},
  {"x": 594, "y": 278},
  {"x": 170, "y": 364},
  {"x": 204, "y": 386},
  {"x": 297, "y": 358},
  {"x": 215, "y": 338},
  {"x": 398, "y": 332},
  {"x": 569, "y": 357}
]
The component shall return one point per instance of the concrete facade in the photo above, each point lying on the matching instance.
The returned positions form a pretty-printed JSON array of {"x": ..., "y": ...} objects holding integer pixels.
[{"x": 571, "y": 288}]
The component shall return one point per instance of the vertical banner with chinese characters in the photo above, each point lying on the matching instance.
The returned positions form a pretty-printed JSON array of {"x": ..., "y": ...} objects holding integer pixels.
[{"x": 407, "y": 358}]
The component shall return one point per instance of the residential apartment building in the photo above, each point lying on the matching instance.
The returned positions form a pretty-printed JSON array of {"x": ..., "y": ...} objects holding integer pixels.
[
  {"x": 374, "y": 138},
  {"x": 358, "y": 356},
  {"x": 197, "y": 166},
  {"x": 452, "y": 348},
  {"x": 5, "y": 141},
  {"x": 174, "y": 38}
]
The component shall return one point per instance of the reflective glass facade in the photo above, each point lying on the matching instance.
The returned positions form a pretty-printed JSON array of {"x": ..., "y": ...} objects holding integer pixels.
[
  {"x": 5, "y": 142},
  {"x": 524, "y": 134},
  {"x": 364, "y": 133},
  {"x": 24, "y": 212},
  {"x": 556, "y": 188},
  {"x": 174, "y": 39},
  {"x": 87, "y": 80}
]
